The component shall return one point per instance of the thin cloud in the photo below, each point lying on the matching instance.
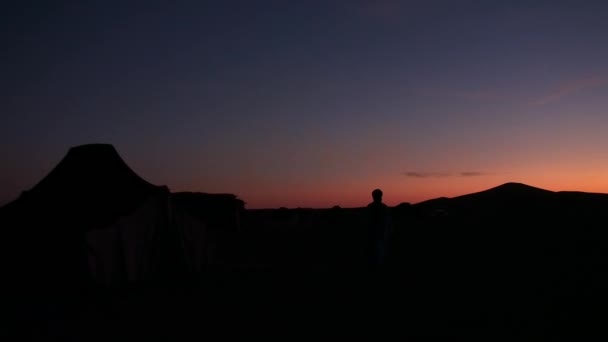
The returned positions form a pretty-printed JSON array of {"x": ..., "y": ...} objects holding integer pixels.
[
  {"x": 570, "y": 88},
  {"x": 414, "y": 174},
  {"x": 472, "y": 174},
  {"x": 417, "y": 174}
]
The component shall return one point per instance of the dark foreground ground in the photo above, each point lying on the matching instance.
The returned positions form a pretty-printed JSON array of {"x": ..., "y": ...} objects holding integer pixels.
[
  {"x": 405, "y": 303},
  {"x": 246, "y": 305},
  {"x": 491, "y": 278}
]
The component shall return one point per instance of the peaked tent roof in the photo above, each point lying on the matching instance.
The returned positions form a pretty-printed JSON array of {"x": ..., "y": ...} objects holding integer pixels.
[{"x": 91, "y": 167}]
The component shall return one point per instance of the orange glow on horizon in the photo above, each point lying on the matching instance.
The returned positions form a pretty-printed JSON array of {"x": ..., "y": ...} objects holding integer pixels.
[{"x": 403, "y": 190}]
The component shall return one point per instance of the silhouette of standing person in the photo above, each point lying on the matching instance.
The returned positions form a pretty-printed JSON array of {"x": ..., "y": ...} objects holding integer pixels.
[{"x": 378, "y": 229}]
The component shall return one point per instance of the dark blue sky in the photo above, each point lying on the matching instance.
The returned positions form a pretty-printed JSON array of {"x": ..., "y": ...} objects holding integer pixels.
[{"x": 310, "y": 103}]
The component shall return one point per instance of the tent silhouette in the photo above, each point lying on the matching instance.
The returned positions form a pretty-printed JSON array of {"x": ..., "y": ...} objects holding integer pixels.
[{"x": 93, "y": 218}]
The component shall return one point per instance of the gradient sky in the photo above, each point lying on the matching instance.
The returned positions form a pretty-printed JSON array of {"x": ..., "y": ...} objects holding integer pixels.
[{"x": 310, "y": 103}]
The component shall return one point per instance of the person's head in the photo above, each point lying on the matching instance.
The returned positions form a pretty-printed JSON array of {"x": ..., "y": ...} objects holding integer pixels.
[{"x": 377, "y": 195}]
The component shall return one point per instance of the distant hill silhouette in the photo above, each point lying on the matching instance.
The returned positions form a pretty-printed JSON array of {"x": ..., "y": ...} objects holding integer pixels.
[
  {"x": 511, "y": 189},
  {"x": 505, "y": 192},
  {"x": 516, "y": 199}
]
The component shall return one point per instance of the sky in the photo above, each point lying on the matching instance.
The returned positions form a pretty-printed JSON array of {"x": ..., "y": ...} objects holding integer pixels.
[{"x": 307, "y": 103}]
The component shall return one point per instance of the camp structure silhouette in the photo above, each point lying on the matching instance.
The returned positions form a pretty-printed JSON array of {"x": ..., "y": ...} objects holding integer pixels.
[{"x": 92, "y": 218}]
